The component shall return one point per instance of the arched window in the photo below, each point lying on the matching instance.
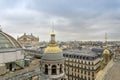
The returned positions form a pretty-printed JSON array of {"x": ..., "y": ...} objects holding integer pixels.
[
  {"x": 61, "y": 68},
  {"x": 46, "y": 69},
  {"x": 54, "y": 71}
]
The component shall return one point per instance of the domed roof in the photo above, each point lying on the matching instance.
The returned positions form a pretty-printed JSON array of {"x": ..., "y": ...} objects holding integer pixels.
[
  {"x": 7, "y": 41},
  {"x": 106, "y": 51},
  {"x": 55, "y": 49},
  {"x": 52, "y": 47},
  {"x": 52, "y": 52}
]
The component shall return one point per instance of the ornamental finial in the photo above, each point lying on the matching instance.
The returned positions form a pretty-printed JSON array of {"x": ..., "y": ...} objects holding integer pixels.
[{"x": 106, "y": 39}]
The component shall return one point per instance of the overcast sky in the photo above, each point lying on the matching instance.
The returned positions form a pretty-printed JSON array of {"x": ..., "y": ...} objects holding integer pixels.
[{"x": 73, "y": 19}]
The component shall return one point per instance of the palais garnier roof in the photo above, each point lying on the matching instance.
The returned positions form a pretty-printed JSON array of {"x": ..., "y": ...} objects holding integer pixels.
[{"x": 7, "y": 41}]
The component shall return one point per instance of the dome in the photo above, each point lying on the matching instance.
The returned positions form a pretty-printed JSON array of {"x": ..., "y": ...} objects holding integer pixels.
[
  {"x": 52, "y": 52},
  {"x": 7, "y": 41},
  {"x": 55, "y": 49},
  {"x": 52, "y": 47},
  {"x": 106, "y": 51}
]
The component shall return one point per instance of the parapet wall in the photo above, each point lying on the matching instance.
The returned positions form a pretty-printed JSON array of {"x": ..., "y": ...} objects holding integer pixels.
[{"x": 102, "y": 73}]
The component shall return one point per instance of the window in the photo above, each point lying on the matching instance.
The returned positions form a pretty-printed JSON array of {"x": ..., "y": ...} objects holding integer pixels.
[
  {"x": 92, "y": 74},
  {"x": 74, "y": 56},
  {"x": 88, "y": 78},
  {"x": 88, "y": 72},
  {"x": 92, "y": 63},
  {"x": 85, "y": 72},
  {"x": 81, "y": 71},
  {"x": 46, "y": 69},
  {"x": 80, "y": 57},
  {"x": 77, "y": 57},
  {"x": 61, "y": 68},
  {"x": 54, "y": 72},
  {"x": 81, "y": 62},
  {"x": 85, "y": 77},
  {"x": 83, "y": 58},
  {"x": 89, "y": 63}
]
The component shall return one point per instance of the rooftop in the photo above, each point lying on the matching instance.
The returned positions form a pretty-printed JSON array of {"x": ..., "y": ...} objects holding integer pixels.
[
  {"x": 88, "y": 53},
  {"x": 84, "y": 52},
  {"x": 31, "y": 36}
]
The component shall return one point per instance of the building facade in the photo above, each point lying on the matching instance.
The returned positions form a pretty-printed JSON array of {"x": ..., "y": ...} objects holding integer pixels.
[
  {"x": 82, "y": 64},
  {"x": 28, "y": 40}
]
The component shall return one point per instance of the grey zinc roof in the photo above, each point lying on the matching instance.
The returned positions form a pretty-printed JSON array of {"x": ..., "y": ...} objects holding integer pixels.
[
  {"x": 83, "y": 52},
  {"x": 86, "y": 54}
]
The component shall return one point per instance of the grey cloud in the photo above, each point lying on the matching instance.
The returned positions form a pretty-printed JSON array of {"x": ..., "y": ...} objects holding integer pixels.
[{"x": 73, "y": 20}]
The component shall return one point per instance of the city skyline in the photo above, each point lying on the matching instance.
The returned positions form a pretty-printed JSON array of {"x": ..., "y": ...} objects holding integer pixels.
[{"x": 73, "y": 20}]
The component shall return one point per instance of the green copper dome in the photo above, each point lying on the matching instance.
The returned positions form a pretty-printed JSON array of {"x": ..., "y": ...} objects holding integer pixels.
[{"x": 7, "y": 41}]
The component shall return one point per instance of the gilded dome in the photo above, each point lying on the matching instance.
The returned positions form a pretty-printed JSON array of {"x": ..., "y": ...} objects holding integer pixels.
[
  {"x": 7, "y": 41},
  {"x": 52, "y": 52},
  {"x": 106, "y": 51},
  {"x": 54, "y": 49}
]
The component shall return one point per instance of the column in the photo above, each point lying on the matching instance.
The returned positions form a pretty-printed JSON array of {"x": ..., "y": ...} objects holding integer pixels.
[
  {"x": 49, "y": 70},
  {"x": 58, "y": 69},
  {"x": 63, "y": 68}
]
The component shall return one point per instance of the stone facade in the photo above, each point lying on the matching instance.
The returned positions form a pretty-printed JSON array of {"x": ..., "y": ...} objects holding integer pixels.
[
  {"x": 81, "y": 66},
  {"x": 28, "y": 40}
]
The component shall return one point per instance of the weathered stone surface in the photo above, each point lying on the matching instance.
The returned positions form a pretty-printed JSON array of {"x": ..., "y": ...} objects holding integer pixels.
[{"x": 114, "y": 72}]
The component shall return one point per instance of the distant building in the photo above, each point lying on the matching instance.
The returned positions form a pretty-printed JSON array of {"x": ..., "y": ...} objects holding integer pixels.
[
  {"x": 11, "y": 54},
  {"x": 117, "y": 54},
  {"x": 28, "y": 40}
]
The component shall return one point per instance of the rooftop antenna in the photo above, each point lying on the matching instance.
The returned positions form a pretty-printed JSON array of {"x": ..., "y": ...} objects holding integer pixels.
[{"x": 106, "y": 42}]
